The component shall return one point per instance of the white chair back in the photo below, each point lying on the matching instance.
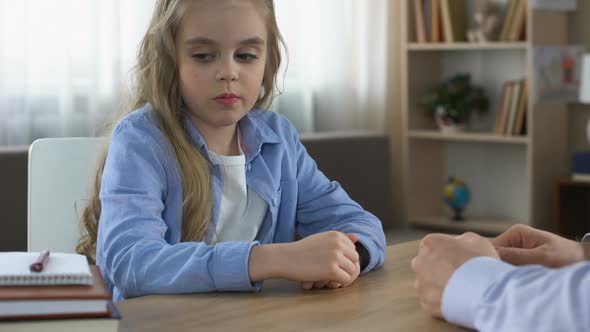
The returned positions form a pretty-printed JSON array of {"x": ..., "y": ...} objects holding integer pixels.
[{"x": 61, "y": 171}]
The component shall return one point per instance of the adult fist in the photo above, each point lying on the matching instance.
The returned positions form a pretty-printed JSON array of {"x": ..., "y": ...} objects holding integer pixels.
[{"x": 439, "y": 256}]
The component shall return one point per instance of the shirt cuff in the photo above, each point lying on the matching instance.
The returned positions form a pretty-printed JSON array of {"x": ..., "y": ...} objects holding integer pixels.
[
  {"x": 466, "y": 287},
  {"x": 372, "y": 251},
  {"x": 231, "y": 273}
]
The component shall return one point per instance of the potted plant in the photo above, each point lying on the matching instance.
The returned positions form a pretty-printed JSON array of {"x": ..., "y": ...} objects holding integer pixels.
[{"x": 453, "y": 102}]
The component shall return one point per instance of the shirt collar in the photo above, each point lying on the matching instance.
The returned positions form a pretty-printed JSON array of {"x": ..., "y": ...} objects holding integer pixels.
[{"x": 253, "y": 130}]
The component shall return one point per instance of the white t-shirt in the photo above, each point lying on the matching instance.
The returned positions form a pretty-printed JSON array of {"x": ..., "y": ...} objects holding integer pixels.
[{"x": 242, "y": 210}]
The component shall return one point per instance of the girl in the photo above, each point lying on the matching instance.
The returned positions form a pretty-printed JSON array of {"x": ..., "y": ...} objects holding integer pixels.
[{"x": 201, "y": 190}]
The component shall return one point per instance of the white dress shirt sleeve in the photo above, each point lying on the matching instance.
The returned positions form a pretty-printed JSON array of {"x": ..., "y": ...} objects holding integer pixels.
[{"x": 490, "y": 295}]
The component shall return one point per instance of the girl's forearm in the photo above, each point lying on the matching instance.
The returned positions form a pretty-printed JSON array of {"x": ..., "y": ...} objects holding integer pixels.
[{"x": 266, "y": 262}]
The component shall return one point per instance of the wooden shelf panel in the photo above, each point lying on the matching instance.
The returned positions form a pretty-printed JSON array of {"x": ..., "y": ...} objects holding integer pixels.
[
  {"x": 467, "y": 137},
  {"x": 487, "y": 226},
  {"x": 467, "y": 46}
]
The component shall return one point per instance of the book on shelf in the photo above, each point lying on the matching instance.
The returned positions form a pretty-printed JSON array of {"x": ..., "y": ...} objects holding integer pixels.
[
  {"x": 426, "y": 20},
  {"x": 440, "y": 20},
  {"x": 581, "y": 166},
  {"x": 502, "y": 111},
  {"x": 61, "y": 269},
  {"x": 435, "y": 22},
  {"x": 522, "y": 108},
  {"x": 514, "y": 23},
  {"x": 427, "y": 10},
  {"x": 516, "y": 89},
  {"x": 55, "y": 301},
  {"x": 447, "y": 21},
  {"x": 454, "y": 18},
  {"x": 507, "y": 103},
  {"x": 109, "y": 323},
  {"x": 517, "y": 27},
  {"x": 512, "y": 108},
  {"x": 509, "y": 13},
  {"x": 420, "y": 21},
  {"x": 518, "y": 126}
]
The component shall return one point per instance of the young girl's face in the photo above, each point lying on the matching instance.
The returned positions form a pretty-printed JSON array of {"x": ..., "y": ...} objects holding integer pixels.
[{"x": 221, "y": 56}]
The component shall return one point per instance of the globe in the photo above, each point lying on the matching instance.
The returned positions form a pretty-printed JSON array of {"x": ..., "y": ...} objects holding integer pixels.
[{"x": 456, "y": 196}]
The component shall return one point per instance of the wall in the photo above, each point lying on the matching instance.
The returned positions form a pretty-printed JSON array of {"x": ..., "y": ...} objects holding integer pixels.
[{"x": 579, "y": 30}]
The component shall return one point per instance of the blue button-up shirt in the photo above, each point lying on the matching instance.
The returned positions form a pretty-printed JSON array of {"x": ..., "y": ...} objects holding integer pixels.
[
  {"x": 490, "y": 295},
  {"x": 139, "y": 248}
]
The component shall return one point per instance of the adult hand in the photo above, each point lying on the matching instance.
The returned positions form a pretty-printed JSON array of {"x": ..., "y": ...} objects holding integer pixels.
[
  {"x": 522, "y": 244},
  {"x": 438, "y": 258}
]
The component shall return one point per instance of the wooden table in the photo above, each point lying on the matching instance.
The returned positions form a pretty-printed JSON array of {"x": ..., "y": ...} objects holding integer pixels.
[{"x": 382, "y": 300}]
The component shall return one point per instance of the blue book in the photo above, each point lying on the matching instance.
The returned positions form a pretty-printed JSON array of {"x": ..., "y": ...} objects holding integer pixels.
[{"x": 581, "y": 162}]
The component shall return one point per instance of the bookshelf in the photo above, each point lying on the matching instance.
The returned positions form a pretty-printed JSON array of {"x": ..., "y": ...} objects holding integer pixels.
[{"x": 511, "y": 178}]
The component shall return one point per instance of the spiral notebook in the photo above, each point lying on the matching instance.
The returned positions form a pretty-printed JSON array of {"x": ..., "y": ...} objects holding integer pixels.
[{"x": 61, "y": 269}]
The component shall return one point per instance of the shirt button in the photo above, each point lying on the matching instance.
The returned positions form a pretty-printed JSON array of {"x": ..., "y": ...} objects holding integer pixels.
[{"x": 249, "y": 166}]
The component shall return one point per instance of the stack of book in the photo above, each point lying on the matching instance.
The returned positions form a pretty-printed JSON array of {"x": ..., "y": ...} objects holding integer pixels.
[
  {"x": 64, "y": 294},
  {"x": 440, "y": 20},
  {"x": 514, "y": 25},
  {"x": 581, "y": 166},
  {"x": 512, "y": 109},
  {"x": 445, "y": 21}
]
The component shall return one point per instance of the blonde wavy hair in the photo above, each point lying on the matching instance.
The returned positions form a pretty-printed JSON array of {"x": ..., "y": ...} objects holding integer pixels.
[{"x": 157, "y": 82}]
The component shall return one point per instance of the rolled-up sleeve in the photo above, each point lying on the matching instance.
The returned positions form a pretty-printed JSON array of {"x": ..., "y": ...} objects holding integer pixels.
[
  {"x": 132, "y": 248},
  {"x": 323, "y": 205}
]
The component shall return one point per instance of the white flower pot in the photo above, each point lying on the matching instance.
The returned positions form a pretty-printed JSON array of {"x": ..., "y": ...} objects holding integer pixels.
[
  {"x": 452, "y": 129},
  {"x": 446, "y": 125}
]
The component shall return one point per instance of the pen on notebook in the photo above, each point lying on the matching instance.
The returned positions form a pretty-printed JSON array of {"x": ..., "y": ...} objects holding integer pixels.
[{"x": 41, "y": 262}]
